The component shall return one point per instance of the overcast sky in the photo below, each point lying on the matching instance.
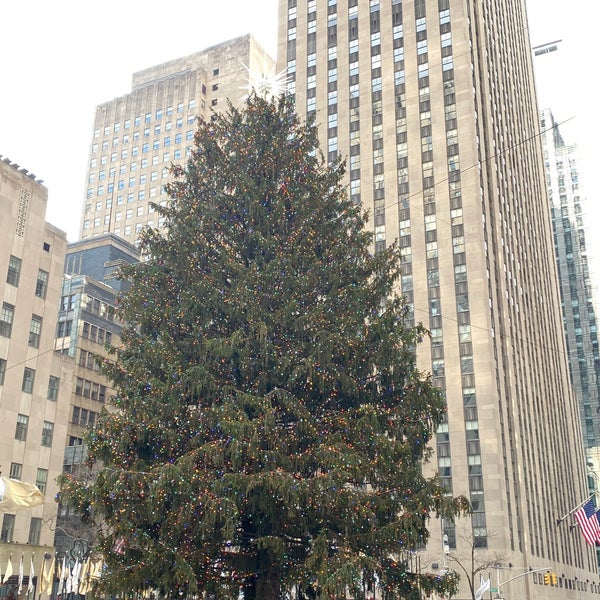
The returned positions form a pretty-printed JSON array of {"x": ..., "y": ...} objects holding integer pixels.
[{"x": 62, "y": 58}]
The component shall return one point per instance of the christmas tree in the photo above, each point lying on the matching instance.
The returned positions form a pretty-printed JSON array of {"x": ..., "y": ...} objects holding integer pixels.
[{"x": 270, "y": 424}]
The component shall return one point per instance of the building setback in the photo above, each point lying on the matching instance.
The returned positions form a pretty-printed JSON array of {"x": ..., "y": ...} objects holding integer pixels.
[
  {"x": 138, "y": 136},
  {"x": 35, "y": 381},
  {"x": 432, "y": 103}
]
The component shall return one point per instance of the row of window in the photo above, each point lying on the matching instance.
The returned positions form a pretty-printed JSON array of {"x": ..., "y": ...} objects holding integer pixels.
[
  {"x": 90, "y": 389},
  {"x": 16, "y": 470},
  {"x": 29, "y": 380},
  {"x": 83, "y": 416},
  {"x": 126, "y": 153},
  {"x": 8, "y": 527},
  {"x": 22, "y": 428},
  {"x": 7, "y": 317},
  {"x": 146, "y": 134},
  {"x": 160, "y": 112},
  {"x": 13, "y": 276}
]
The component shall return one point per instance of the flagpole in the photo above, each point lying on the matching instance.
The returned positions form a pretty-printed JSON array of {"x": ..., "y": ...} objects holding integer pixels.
[{"x": 559, "y": 521}]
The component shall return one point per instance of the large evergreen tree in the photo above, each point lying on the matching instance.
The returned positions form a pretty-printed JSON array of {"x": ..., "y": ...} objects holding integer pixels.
[{"x": 270, "y": 423}]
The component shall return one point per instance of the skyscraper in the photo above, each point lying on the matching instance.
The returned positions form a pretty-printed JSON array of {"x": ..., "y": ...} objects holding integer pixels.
[
  {"x": 138, "y": 136},
  {"x": 433, "y": 105},
  {"x": 567, "y": 203}
]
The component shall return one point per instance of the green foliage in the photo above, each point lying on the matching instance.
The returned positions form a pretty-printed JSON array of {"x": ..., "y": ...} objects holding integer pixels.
[{"x": 270, "y": 423}]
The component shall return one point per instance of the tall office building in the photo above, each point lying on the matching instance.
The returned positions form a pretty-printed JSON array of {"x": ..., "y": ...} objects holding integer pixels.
[
  {"x": 578, "y": 303},
  {"x": 138, "y": 136},
  {"x": 35, "y": 381},
  {"x": 86, "y": 324},
  {"x": 433, "y": 105}
]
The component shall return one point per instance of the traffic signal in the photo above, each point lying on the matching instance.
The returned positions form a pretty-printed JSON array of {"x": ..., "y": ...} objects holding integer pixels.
[
  {"x": 547, "y": 578},
  {"x": 553, "y": 578}
]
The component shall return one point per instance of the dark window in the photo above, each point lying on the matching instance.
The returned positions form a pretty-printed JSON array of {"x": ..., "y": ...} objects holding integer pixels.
[
  {"x": 2, "y": 370},
  {"x": 15, "y": 470},
  {"x": 42, "y": 479},
  {"x": 14, "y": 271},
  {"x": 35, "y": 331},
  {"x": 41, "y": 286},
  {"x": 8, "y": 528},
  {"x": 63, "y": 329},
  {"x": 35, "y": 528},
  {"x": 53, "y": 384},
  {"x": 21, "y": 430},
  {"x": 47, "y": 433},
  {"x": 28, "y": 380},
  {"x": 6, "y": 319}
]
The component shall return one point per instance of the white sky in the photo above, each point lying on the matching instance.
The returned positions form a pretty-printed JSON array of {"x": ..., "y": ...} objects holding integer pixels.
[{"x": 61, "y": 58}]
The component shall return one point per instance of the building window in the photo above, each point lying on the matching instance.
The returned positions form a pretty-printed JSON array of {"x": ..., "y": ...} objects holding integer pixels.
[
  {"x": 15, "y": 470},
  {"x": 53, "y": 384},
  {"x": 35, "y": 331},
  {"x": 63, "y": 329},
  {"x": 6, "y": 319},
  {"x": 14, "y": 271},
  {"x": 68, "y": 302},
  {"x": 8, "y": 528},
  {"x": 47, "y": 433},
  {"x": 21, "y": 430},
  {"x": 35, "y": 528},
  {"x": 28, "y": 380},
  {"x": 42, "y": 479},
  {"x": 41, "y": 285},
  {"x": 2, "y": 370}
]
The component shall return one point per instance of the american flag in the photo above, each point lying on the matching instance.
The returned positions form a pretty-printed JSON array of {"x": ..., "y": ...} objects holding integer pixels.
[{"x": 588, "y": 523}]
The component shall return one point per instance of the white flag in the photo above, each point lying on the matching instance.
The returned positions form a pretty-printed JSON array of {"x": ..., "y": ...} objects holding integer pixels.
[
  {"x": 31, "y": 576},
  {"x": 9, "y": 571},
  {"x": 63, "y": 576},
  {"x": 18, "y": 495},
  {"x": 483, "y": 588},
  {"x": 20, "y": 577}
]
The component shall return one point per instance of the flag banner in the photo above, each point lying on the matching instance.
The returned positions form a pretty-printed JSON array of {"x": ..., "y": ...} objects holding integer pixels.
[
  {"x": 31, "y": 575},
  {"x": 20, "y": 576},
  {"x": 84, "y": 577},
  {"x": 18, "y": 495},
  {"x": 48, "y": 577},
  {"x": 63, "y": 576},
  {"x": 9, "y": 571},
  {"x": 588, "y": 523},
  {"x": 97, "y": 567},
  {"x": 73, "y": 580},
  {"x": 484, "y": 586}
]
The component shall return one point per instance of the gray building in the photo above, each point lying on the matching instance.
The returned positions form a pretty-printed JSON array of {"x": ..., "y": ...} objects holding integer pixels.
[
  {"x": 433, "y": 105},
  {"x": 567, "y": 204},
  {"x": 86, "y": 326}
]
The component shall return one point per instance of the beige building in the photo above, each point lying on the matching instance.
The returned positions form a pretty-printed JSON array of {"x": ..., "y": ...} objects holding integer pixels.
[
  {"x": 138, "y": 136},
  {"x": 35, "y": 381},
  {"x": 433, "y": 105}
]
